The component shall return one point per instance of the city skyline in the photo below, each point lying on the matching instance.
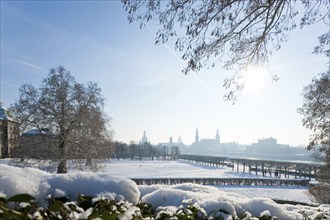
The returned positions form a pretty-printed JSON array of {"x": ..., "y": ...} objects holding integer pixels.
[
  {"x": 144, "y": 87},
  {"x": 177, "y": 139}
]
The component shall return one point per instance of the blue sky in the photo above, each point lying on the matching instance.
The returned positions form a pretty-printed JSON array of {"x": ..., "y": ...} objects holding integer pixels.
[{"x": 142, "y": 82}]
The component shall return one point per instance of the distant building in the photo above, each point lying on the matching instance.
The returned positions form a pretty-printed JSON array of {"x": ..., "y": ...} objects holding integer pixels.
[
  {"x": 205, "y": 145},
  {"x": 268, "y": 146},
  {"x": 172, "y": 148},
  {"x": 196, "y": 136},
  {"x": 171, "y": 143},
  {"x": 38, "y": 143},
  {"x": 212, "y": 146},
  {"x": 211, "y": 141},
  {"x": 206, "y": 142},
  {"x": 9, "y": 132},
  {"x": 144, "y": 138}
]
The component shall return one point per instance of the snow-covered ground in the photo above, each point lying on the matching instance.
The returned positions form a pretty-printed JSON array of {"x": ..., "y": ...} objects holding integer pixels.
[
  {"x": 113, "y": 180},
  {"x": 161, "y": 168},
  {"x": 280, "y": 193},
  {"x": 181, "y": 169}
]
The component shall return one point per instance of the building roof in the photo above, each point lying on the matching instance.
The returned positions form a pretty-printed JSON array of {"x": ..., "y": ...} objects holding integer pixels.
[
  {"x": 37, "y": 132},
  {"x": 5, "y": 114}
]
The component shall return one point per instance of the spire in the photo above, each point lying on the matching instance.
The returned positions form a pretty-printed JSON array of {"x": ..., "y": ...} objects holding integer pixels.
[
  {"x": 217, "y": 136},
  {"x": 196, "y": 136},
  {"x": 179, "y": 140}
]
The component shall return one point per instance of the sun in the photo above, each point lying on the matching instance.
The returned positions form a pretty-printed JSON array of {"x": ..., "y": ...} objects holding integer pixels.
[{"x": 255, "y": 78}]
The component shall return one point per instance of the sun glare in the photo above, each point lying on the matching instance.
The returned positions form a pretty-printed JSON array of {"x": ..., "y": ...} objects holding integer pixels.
[{"x": 255, "y": 79}]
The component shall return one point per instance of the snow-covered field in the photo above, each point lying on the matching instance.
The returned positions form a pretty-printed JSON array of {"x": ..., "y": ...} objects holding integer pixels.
[
  {"x": 182, "y": 169},
  {"x": 161, "y": 168},
  {"x": 113, "y": 179},
  {"x": 125, "y": 169}
]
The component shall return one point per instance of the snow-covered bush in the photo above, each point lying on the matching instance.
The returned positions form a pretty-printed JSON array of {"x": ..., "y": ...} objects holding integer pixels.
[
  {"x": 88, "y": 195},
  {"x": 24, "y": 206}
]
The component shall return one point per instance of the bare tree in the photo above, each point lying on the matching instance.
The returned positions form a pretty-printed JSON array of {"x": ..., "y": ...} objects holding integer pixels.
[
  {"x": 120, "y": 150},
  {"x": 164, "y": 151},
  {"x": 235, "y": 33},
  {"x": 133, "y": 149},
  {"x": 316, "y": 117},
  {"x": 151, "y": 151},
  {"x": 72, "y": 111},
  {"x": 117, "y": 149},
  {"x": 316, "y": 111},
  {"x": 92, "y": 140},
  {"x": 175, "y": 152}
]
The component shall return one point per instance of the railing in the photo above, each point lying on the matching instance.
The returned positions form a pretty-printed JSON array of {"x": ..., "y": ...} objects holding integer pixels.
[{"x": 223, "y": 181}]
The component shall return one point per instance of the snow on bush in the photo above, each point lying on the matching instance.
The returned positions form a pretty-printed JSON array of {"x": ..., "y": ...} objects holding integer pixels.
[
  {"x": 16, "y": 180},
  {"x": 211, "y": 198},
  {"x": 176, "y": 200},
  {"x": 90, "y": 184},
  {"x": 40, "y": 184}
]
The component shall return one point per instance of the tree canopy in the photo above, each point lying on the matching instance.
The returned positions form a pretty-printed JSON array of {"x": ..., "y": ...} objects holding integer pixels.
[
  {"x": 316, "y": 112},
  {"x": 316, "y": 117},
  {"x": 236, "y": 33},
  {"x": 72, "y": 112}
]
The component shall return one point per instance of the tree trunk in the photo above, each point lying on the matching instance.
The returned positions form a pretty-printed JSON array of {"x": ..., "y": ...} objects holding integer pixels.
[
  {"x": 88, "y": 162},
  {"x": 62, "y": 168}
]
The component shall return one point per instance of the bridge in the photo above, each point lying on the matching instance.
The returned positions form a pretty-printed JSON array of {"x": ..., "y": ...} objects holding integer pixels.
[{"x": 269, "y": 168}]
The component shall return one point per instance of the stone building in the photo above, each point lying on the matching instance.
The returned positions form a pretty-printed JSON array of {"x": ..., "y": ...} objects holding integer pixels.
[{"x": 9, "y": 132}]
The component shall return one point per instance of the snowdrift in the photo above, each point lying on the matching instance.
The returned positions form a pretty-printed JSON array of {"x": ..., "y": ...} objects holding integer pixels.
[{"x": 41, "y": 184}]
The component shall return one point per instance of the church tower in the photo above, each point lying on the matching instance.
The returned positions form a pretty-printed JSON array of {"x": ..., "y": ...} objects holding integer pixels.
[
  {"x": 179, "y": 140},
  {"x": 196, "y": 136},
  {"x": 144, "y": 138},
  {"x": 217, "y": 136}
]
